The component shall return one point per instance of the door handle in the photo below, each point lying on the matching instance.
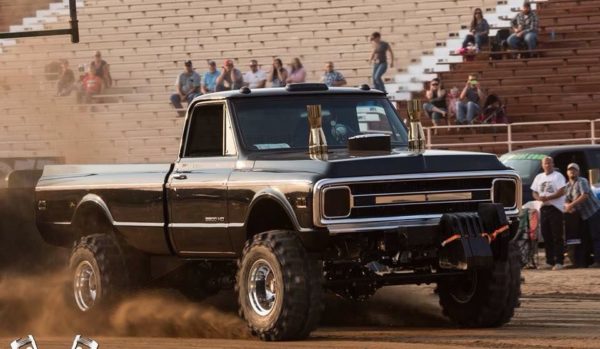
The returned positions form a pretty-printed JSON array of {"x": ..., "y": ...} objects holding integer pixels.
[{"x": 180, "y": 176}]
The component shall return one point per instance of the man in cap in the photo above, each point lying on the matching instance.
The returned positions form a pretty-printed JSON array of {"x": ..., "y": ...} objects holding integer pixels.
[
  {"x": 230, "y": 78},
  {"x": 188, "y": 87},
  {"x": 549, "y": 188},
  {"x": 582, "y": 201},
  {"x": 209, "y": 80}
]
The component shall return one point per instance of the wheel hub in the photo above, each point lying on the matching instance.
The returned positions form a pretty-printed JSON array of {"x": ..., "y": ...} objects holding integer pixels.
[
  {"x": 465, "y": 288},
  {"x": 85, "y": 286},
  {"x": 262, "y": 287}
]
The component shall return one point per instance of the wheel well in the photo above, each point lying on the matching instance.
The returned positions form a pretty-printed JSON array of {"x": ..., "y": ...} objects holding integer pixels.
[
  {"x": 267, "y": 214},
  {"x": 91, "y": 219}
]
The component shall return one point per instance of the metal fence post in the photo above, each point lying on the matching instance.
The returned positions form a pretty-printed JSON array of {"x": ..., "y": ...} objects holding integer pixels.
[
  {"x": 593, "y": 131},
  {"x": 509, "y": 137}
]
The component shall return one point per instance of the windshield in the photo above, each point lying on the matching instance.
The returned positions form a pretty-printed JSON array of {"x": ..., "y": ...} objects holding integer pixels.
[
  {"x": 282, "y": 122},
  {"x": 527, "y": 169}
]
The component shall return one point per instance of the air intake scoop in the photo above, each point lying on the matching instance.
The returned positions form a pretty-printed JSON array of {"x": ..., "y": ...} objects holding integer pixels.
[{"x": 370, "y": 142}]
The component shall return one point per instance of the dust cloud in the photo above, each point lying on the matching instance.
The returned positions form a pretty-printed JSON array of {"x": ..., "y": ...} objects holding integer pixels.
[{"x": 40, "y": 305}]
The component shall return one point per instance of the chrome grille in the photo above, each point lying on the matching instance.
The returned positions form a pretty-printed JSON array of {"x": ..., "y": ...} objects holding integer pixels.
[{"x": 403, "y": 197}]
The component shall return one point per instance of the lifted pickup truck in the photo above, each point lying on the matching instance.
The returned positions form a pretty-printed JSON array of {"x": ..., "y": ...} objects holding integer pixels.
[{"x": 247, "y": 205}]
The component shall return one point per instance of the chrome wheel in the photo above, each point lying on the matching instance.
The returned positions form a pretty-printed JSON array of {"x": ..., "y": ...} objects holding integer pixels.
[
  {"x": 85, "y": 286},
  {"x": 262, "y": 287}
]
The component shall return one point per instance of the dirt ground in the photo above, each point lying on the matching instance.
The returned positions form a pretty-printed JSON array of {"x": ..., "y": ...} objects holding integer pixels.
[{"x": 559, "y": 309}]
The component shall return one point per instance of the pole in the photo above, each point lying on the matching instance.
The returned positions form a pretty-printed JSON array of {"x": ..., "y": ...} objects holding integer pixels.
[{"x": 74, "y": 22}]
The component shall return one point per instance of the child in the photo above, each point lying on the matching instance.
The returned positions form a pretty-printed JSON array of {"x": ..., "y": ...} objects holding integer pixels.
[
  {"x": 91, "y": 85},
  {"x": 453, "y": 97}
]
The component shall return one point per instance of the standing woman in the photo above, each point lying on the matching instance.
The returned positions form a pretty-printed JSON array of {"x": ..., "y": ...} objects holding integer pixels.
[
  {"x": 478, "y": 32},
  {"x": 379, "y": 60},
  {"x": 278, "y": 75},
  {"x": 297, "y": 73}
]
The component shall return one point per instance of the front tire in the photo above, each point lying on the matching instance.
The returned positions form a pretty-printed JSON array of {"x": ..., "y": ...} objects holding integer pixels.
[
  {"x": 484, "y": 298},
  {"x": 279, "y": 287}
]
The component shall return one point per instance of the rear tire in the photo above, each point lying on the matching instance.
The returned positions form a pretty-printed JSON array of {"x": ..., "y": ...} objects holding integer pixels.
[
  {"x": 279, "y": 287},
  {"x": 484, "y": 298},
  {"x": 98, "y": 272}
]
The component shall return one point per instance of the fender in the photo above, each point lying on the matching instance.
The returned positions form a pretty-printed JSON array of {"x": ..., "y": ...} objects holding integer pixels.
[
  {"x": 277, "y": 196},
  {"x": 98, "y": 202}
]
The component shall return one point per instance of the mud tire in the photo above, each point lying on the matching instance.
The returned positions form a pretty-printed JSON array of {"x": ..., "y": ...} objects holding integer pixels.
[{"x": 297, "y": 276}]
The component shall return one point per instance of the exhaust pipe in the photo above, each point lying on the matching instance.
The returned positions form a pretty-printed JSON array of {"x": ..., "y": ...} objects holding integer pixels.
[
  {"x": 317, "y": 144},
  {"x": 416, "y": 135}
]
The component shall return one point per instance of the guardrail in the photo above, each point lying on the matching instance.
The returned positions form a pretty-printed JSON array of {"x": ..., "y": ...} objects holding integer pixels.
[{"x": 509, "y": 134}]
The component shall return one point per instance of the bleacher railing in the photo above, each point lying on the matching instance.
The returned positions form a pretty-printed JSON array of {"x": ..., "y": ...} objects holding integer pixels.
[{"x": 509, "y": 130}]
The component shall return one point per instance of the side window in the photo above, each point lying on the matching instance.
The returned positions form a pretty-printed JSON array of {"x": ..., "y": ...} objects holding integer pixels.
[
  {"x": 205, "y": 134},
  {"x": 561, "y": 161}
]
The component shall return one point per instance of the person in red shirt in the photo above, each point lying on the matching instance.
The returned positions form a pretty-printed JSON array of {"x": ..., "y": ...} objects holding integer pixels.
[{"x": 91, "y": 85}]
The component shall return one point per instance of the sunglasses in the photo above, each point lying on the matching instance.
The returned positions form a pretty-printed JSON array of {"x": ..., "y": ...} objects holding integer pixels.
[{"x": 436, "y": 84}]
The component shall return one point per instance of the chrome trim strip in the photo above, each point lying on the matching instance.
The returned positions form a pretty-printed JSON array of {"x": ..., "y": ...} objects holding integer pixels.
[
  {"x": 360, "y": 227},
  {"x": 206, "y": 225},
  {"x": 423, "y": 203},
  {"x": 426, "y": 198},
  {"x": 319, "y": 221},
  {"x": 139, "y": 224},
  {"x": 131, "y": 186},
  {"x": 61, "y": 223}
]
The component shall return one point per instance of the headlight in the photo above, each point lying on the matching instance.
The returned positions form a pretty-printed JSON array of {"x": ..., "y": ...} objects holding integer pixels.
[
  {"x": 337, "y": 202},
  {"x": 504, "y": 191}
]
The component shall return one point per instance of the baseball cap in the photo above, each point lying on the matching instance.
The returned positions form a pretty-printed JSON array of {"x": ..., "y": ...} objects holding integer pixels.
[
  {"x": 188, "y": 63},
  {"x": 573, "y": 165}
]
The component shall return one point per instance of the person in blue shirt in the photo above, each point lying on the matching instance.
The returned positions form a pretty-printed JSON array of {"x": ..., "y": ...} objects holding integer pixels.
[
  {"x": 209, "y": 80},
  {"x": 188, "y": 87}
]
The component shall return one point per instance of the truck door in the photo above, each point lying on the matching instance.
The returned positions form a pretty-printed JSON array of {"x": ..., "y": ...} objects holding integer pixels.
[{"x": 197, "y": 187}]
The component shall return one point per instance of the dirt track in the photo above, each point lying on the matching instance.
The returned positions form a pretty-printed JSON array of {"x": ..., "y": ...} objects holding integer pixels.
[{"x": 559, "y": 309}]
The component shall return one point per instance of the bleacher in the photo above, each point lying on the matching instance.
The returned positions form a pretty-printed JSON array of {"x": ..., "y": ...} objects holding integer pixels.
[
  {"x": 558, "y": 86},
  {"x": 146, "y": 41}
]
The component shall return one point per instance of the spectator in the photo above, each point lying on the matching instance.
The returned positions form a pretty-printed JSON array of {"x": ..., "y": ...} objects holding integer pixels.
[
  {"x": 453, "y": 98},
  {"x": 435, "y": 107},
  {"x": 209, "y": 82},
  {"x": 479, "y": 31},
  {"x": 582, "y": 201},
  {"x": 467, "y": 107},
  {"x": 278, "y": 75},
  {"x": 102, "y": 69},
  {"x": 91, "y": 85},
  {"x": 332, "y": 77},
  {"x": 230, "y": 78},
  {"x": 549, "y": 188},
  {"x": 66, "y": 80},
  {"x": 188, "y": 87},
  {"x": 494, "y": 111},
  {"x": 297, "y": 72},
  {"x": 255, "y": 78},
  {"x": 379, "y": 60},
  {"x": 525, "y": 27}
]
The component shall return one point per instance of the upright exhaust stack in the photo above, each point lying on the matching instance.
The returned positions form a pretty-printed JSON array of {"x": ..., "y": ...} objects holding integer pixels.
[
  {"x": 317, "y": 144},
  {"x": 416, "y": 136}
]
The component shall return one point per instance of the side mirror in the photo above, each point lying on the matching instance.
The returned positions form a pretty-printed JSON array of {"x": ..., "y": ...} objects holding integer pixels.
[{"x": 594, "y": 176}]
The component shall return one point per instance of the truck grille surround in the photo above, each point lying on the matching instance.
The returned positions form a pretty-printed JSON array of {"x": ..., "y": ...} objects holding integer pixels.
[{"x": 409, "y": 198}]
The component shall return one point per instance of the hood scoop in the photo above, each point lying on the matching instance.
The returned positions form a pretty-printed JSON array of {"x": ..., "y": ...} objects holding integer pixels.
[{"x": 379, "y": 143}]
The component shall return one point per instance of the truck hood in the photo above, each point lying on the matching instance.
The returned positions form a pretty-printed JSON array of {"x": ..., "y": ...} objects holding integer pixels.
[{"x": 341, "y": 163}]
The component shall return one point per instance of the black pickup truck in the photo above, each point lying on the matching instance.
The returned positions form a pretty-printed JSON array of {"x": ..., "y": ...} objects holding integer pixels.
[{"x": 247, "y": 205}]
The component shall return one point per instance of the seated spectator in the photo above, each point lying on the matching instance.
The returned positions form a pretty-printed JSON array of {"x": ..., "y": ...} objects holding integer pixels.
[
  {"x": 467, "y": 107},
  {"x": 453, "y": 97},
  {"x": 435, "y": 107},
  {"x": 209, "y": 81},
  {"x": 297, "y": 72},
  {"x": 188, "y": 87},
  {"x": 479, "y": 31},
  {"x": 102, "y": 69},
  {"x": 91, "y": 85},
  {"x": 255, "y": 78},
  {"x": 66, "y": 80},
  {"x": 581, "y": 200},
  {"x": 331, "y": 77},
  {"x": 525, "y": 27},
  {"x": 278, "y": 74},
  {"x": 230, "y": 78},
  {"x": 494, "y": 111}
]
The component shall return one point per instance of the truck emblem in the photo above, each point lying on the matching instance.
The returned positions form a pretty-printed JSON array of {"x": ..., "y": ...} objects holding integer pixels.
[
  {"x": 41, "y": 205},
  {"x": 214, "y": 219}
]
